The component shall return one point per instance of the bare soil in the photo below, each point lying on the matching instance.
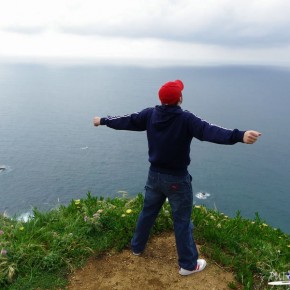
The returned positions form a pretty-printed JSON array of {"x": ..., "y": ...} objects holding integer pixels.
[{"x": 156, "y": 269}]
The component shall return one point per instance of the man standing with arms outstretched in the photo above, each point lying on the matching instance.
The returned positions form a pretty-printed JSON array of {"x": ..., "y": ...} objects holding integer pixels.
[{"x": 170, "y": 131}]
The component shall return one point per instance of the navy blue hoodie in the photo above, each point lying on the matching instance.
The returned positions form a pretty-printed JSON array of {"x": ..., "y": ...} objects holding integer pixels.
[{"x": 169, "y": 132}]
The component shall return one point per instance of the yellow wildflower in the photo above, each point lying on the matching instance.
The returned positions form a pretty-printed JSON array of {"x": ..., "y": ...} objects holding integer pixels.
[
  {"x": 77, "y": 201},
  {"x": 128, "y": 210},
  {"x": 123, "y": 215},
  {"x": 96, "y": 215}
]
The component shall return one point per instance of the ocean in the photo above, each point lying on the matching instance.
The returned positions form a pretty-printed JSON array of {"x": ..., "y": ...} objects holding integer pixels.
[{"x": 50, "y": 152}]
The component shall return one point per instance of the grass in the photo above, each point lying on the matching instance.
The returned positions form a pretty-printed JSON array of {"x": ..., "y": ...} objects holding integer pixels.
[
  {"x": 40, "y": 253},
  {"x": 254, "y": 251}
]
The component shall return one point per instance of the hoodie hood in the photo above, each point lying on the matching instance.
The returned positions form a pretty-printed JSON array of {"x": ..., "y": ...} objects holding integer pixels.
[{"x": 164, "y": 115}]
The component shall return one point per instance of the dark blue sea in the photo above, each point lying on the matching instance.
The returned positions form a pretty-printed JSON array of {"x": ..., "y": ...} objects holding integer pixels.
[{"x": 50, "y": 153}]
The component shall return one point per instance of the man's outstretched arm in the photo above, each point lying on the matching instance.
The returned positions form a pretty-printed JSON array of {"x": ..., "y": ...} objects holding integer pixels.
[
  {"x": 121, "y": 123},
  {"x": 134, "y": 122}
]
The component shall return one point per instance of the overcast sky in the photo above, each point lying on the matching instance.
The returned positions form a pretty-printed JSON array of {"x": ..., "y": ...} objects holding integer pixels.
[{"x": 164, "y": 32}]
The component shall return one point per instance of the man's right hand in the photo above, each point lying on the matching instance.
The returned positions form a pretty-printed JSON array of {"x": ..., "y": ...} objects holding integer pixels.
[{"x": 97, "y": 121}]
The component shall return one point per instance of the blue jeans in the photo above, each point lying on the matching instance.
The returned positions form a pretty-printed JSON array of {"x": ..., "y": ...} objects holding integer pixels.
[{"x": 178, "y": 190}]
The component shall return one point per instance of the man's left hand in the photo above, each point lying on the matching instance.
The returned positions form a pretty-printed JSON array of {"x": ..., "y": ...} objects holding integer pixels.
[{"x": 250, "y": 137}]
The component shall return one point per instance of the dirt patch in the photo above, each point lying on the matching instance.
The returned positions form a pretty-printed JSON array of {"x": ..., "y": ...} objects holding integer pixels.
[{"x": 156, "y": 269}]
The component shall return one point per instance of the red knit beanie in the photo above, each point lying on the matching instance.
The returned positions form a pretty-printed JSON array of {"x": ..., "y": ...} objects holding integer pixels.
[{"x": 170, "y": 93}]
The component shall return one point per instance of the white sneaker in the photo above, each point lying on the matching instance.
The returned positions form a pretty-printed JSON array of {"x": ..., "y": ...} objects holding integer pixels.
[
  {"x": 136, "y": 254},
  {"x": 201, "y": 264}
]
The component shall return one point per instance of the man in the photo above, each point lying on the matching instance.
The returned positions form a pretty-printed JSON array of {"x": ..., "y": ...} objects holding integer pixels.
[{"x": 170, "y": 131}]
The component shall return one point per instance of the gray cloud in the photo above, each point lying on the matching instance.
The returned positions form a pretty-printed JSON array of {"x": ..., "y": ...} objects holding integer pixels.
[
  {"x": 224, "y": 23},
  {"x": 246, "y": 29},
  {"x": 24, "y": 29},
  {"x": 222, "y": 34},
  {"x": 231, "y": 36}
]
